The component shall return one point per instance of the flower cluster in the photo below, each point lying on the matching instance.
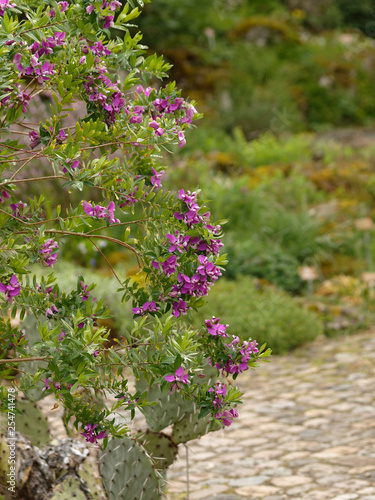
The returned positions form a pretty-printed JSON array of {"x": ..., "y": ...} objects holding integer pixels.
[
  {"x": 90, "y": 436},
  {"x": 46, "y": 256},
  {"x": 237, "y": 356},
  {"x": 182, "y": 242},
  {"x": 5, "y": 4},
  {"x": 37, "y": 69},
  {"x": 224, "y": 416},
  {"x": 178, "y": 378},
  {"x": 192, "y": 216},
  {"x": 18, "y": 209},
  {"x": 169, "y": 266},
  {"x": 12, "y": 289},
  {"x": 147, "y": 306},
  {"x": 215, "y": 328},
  {"x": 100, "y": 212},
  {"x": 63, "y": 6},
  {"x": 16, "y": 97}
]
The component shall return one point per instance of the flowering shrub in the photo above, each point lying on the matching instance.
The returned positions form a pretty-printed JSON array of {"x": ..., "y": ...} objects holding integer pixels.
[{"x": 66, "y": 53}]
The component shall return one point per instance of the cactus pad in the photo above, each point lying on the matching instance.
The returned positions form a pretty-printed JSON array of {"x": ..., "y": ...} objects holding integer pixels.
[
  {"x": 32, "y": 423},
  {"x": 192, "y": 427},
  {"x": 128, "y": 472},
  {"x": 160, "y": 446},
  {"x": 68, "y": 489},
  {"x": 170, "y": 408}
]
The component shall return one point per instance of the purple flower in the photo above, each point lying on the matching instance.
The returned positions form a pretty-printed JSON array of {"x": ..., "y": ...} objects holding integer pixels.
[
  {"x": 226, "y": 417},
  {"x": 17, "y": 339},
  {"x": 219, "y": 391},
  {"x": 146, "y": 92},
  {"x": 179, "y": 308},
  {"x": 178, "y": 377},
  {"x": 90, "y": 436},
  {"x": 236, "y": 356},
  {"x": 90, "y": 8},
  {"x": 61, "y": 336},
  {"x": 159, "y": 132},
  {"x": 190, "y": 112},
  {"x": 215, "y": 328},
  {"x": 4, "y": 195},
  {"x": 11, "y": 290},
  {"x": 45, "y": 252},
  {"x": 181, "y": 139},
  {"x": 64, "y": 6},
  {"x": 108, "y": 22},
  {"x": 5, "y": 4},
  {"x": 17, "y": 209},
  {"x": 170, "y": 265},
  {"x": 100, "y": 212},
  {"x": 50, "y": 311},
  {"x": 177, "y": 242},
  {"x": 147, "y": 306},
  {"x": 156, "y": 178},
  {"x": 47, "y": 387},
  {"x": 96, "y": 354},
  {"x": 34, "y": 138},
  {"x": 61, "y": 136}
]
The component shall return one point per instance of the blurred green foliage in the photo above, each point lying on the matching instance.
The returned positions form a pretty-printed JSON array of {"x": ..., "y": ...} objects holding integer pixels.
[{"x": 262, "y": 313}]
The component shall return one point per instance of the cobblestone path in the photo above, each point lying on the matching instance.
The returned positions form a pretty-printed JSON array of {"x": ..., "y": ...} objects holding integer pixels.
[{"x": 306, "y": 431}]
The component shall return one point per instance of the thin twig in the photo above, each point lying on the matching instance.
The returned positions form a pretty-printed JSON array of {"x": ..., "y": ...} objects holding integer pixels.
[
  {"x": 107, "y": 261},
  {"x": 24, "y": 165},
  {"x": 21, "y": 360}
]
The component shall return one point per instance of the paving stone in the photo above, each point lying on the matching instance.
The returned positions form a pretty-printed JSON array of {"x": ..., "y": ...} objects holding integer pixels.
[
  {"x": 289, "y": 481},
  {"x": 205, "y": 493},
  {"x": 248, "y": 481},
  {"x": 346, "y": 496},
  {"x": 260, "y": 491}
]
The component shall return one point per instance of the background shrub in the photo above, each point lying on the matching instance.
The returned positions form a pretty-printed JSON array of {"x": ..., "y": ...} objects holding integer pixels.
[{"x": 261, "y": 313}]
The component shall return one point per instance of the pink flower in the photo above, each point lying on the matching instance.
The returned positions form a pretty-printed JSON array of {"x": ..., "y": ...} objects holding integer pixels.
[
  {"x": 147, "y": 306},
  {"x": 90, "y": 436},
  {"x": 178, "y": 377},
  {"x": 11, "y": 290}
]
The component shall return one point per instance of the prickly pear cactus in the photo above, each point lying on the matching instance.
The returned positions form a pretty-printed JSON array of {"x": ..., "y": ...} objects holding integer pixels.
[
  {"x": 128, "y": 471},
  {"x": 170, "y": 408},
  {"x": 68, "y": 489},
  {"x": 92, "y": 481},
  {"x": 32, "y": 423},
  {"x": 160, "y": 446},
  {"x": 191, "y": 427},
  {"x": 4, "y": 455},
  {"x": 30, "y": 326}
]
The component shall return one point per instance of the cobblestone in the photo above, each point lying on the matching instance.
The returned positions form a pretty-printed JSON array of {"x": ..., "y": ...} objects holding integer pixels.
[{"x": 306, "y": 431}]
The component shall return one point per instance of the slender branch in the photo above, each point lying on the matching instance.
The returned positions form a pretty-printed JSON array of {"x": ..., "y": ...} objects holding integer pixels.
[
  {"x": 19, "y": 149},
  {"x": 13, "y": 216},
  {"x": 21, "y": 360},
  {"x": 115, "y": 224},
  {"x": 47, "y": 178},
  {"x": 107, "y": 261},
  {"x": 24, "y": 165},
  {"x": 18, "y": 132},
  {"x": 45, "y": 26},
  {"x": 100, "y": 236}
]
